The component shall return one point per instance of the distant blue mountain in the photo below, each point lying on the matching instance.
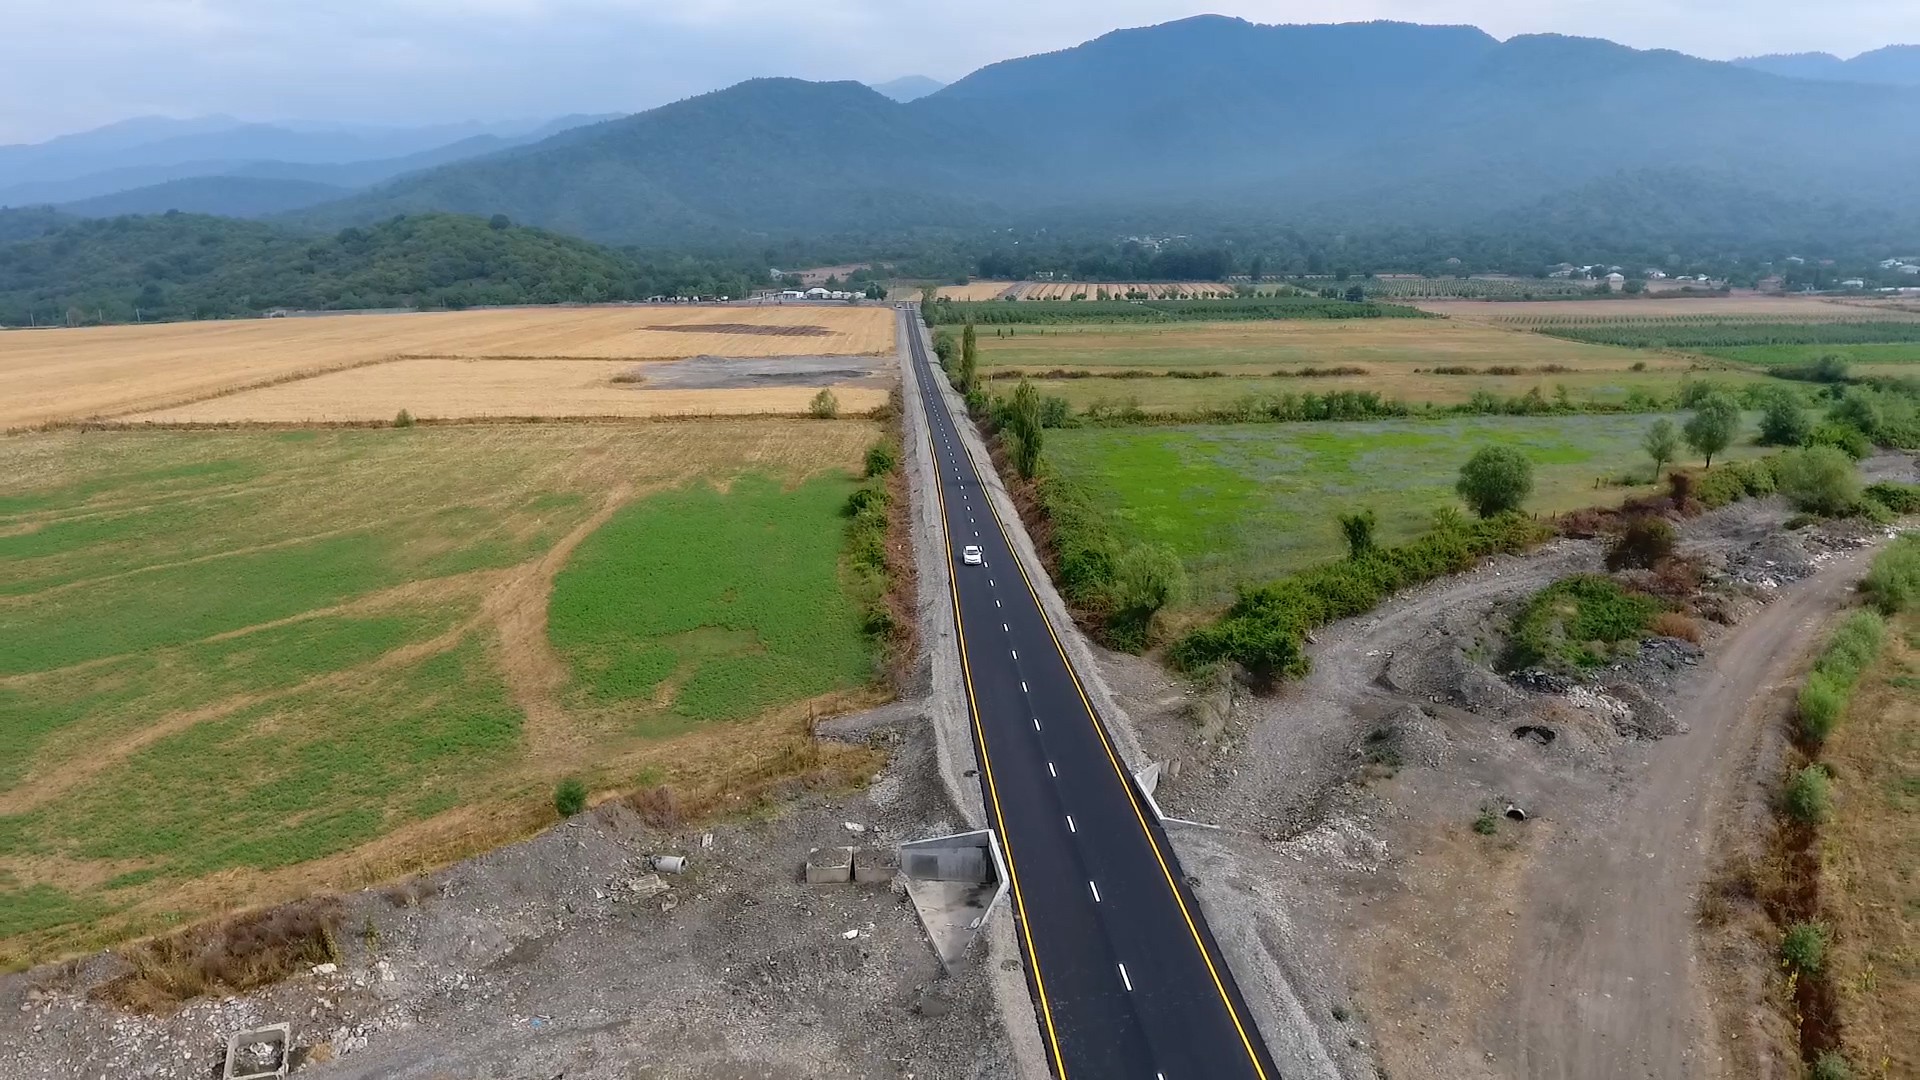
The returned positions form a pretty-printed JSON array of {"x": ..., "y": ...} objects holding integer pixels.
[
  {"x": 909, "y": 88},
  {"x": 1895, "y": 65}
]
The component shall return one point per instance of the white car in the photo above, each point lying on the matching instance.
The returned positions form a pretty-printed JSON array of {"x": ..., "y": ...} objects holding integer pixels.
[{"x": 971, "y": 555}]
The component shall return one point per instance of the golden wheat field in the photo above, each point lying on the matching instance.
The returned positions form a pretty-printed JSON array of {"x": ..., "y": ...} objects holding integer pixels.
[
  {"x": 120, "y": 371},
  {"x": 978, "y": 290},
  {"x": 450, "y": 389}
]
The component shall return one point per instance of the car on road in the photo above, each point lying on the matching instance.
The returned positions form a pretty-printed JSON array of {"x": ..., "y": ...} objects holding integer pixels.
[{"x": 970, "y": 555}]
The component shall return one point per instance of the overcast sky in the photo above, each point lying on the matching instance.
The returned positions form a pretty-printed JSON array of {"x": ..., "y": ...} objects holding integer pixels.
[{"x": 73, "y": 64}]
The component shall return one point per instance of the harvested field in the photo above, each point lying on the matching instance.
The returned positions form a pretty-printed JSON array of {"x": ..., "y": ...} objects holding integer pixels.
[
  {"x": 1574, "y": 312},
  {"x": 480, "y": 389},
  {"x": 1262, "y": 347},
  {"x": 1062, "y": 290},
  {"x": 52, "y": 375},
  {"x": 238, "y": 666},
  {"x": 978, "y": 290}
]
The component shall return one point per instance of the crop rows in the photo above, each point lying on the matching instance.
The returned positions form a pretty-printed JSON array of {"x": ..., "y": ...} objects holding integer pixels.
[
  {"x": 1682, "y": 334},
  {"x": 1155, "y": 311}
]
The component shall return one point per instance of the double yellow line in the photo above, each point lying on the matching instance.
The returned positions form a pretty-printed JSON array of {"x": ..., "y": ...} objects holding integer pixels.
[{"x": 1193, "y": 928}]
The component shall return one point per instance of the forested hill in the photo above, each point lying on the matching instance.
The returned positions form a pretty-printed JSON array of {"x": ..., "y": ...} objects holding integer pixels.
[
  {"x": 191, "y": 266},
  {"x": 1375, "y": 124}
]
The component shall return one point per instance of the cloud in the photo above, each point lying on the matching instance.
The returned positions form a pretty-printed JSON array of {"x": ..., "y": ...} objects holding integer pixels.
[{"x": 406, "y": 61}]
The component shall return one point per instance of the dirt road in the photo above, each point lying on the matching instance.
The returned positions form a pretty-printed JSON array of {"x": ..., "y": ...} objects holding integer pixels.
[{"x": 1604, "y": 975}]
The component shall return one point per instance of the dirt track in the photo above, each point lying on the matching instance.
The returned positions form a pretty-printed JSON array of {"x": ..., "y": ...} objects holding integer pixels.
[
  {"x": 1604, "y": 971},
  {"x": 1562, "y": 948}
]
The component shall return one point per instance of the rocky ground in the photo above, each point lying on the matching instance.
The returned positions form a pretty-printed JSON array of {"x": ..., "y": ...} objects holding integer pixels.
[
  {"x": 567, "y": 956},
  {"x": 1385, "y": 934}
]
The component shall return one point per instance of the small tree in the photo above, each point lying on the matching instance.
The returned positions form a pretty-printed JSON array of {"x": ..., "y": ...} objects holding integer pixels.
[
  {"x": 1784, "y": 423},
  {"x": 824, "y": 405},
  {"x": 969, "y": 358},
  {"x": 1147, "y": 578},
  {"x": 1358, "y": 527},
  {"x": 499, "y": 222},
  {"x": 1713, "y": 425},
  {"x": 1819, "y": 480},
  {"x": 1662, "y": 443},
  {"x": 570, "y": 797},
  {"x": 1645, "y": 541},
  {"x": 403, "y": 419},
  {"x": 1495, "y": 479}
]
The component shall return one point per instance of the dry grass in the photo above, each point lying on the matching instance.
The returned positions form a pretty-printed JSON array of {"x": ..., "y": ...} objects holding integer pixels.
[
  {"x": 229, "y": 957},
  {"x": 1778, "y": 308},
  {"x": 1871, "y": 888},
  {"x": 978, "y": 290},
  {"x": 1067, "y": 290},
  {"x": 436, "y": 389},
  {"x": 52, "y": 375},
  {"x": 1265, "y": 347}
]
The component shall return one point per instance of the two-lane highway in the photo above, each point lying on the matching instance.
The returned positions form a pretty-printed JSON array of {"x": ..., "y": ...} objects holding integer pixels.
[{"x": 1127, "y": 980}]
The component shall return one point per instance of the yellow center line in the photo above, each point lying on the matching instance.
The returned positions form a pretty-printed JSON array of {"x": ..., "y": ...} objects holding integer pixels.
[
  {"x": 986, "y": 763},
  {"x": 1246, "y": 1041}
]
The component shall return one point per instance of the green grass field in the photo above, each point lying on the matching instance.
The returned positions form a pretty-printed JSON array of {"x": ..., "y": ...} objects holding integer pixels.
[
  {"x": 1788, "y": 355},
  {"x": 294, "y": 658},
  {"x": 1244, "y": 503},
  {"x": 714, "y": 606}
]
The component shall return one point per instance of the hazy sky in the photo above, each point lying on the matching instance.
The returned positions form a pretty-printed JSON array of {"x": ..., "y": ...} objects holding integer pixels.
[{"x": 72, "y": 64}]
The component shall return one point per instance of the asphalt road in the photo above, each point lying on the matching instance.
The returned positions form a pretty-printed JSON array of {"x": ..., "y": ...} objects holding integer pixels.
[{"x": 1127, "y": 980}]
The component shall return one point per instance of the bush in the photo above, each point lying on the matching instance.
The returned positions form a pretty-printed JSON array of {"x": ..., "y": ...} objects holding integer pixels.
[
  {"x": 881, "y": 459},
  {"x": 1900, "y": 499},
  {"x": 570, "y": 797},
  {"x": 1845, "y": 438},
  {"x": 1672, "y": 624},
  {"x": 1496, "y": 480},
  {"x": 1560, "y": 625},
  {"x": 1785, "y": 422},
  {"x": 1645, "y": 541},
  {"x": 1819, "y": 480},
  {"x": 1147, "y": 578},
  {"x": 1804, "y": 947},
  {"x": 1830, "y": 1066},
  {"x": 1894, "y": 580},
  {"x": 1820, "y": 704},
  {"x": 1809, "y": 797},
  {"x": 403, "y": 419},
  {"x": 1264, "y": 629},
  {"x": 824, "y": 406},
  {"x": 1358, "y": 528}
]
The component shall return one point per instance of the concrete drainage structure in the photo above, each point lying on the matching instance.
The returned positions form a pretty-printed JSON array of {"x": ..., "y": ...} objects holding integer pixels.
[
  {"x": 260, "y": 1053},
  {"x": 955, "y": 883}
]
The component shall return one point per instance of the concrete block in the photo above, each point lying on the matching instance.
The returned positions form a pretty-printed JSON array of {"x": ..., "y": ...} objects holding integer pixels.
[
  {"x": 969, "y": 865},
  {"x": 826, "y": 866},
  {"x": 875, "y": 866},
  {"x": 259, "y": 1054}
]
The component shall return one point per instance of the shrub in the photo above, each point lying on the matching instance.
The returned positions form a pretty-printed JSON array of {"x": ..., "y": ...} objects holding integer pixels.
[
  {"x": 1894, "y": 580},
  {"x": 1496, "y": 480},
  {"x": 1672, "y": 624},
  {"x": 1819, "y": 480},
  {"x": 1358, "y": 528},
  {"x": 1645, "y": 541},
  {"x": 824, "y": 405},
  {"x": 570, "y": 797},
  {"x": 882, "y": 457},
  {"x": 1147, "y": 579},
  {"x": 1900, "y": 499},
  {"x": 1559, "y": 624},
  {"x": 1830, "y": 1066},
  {"x": 1662, "y": 443},
  {"x": 1804, "y": 947},
  {"x": 1820, "y": 704},
  {"x": 1845, "y": 438},
  {"x": 1809, "y": 797},
  {"x": 403, "y": 419},
  {"x": 1784, "y": 423}
]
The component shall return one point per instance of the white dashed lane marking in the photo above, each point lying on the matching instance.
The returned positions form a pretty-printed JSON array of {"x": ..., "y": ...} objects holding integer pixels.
[
  {"x": 1124, "y": 979},
  {"x": 1096, "y": 891}
]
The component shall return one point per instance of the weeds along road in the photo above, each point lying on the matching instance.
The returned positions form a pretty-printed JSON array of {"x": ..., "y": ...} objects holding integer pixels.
[{"x": 1127, "y": 979}]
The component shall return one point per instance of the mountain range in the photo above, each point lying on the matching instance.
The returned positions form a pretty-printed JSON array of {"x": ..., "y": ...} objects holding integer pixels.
[
  {"x": 1375, "y": 124},
  {"x": 153, "y": 164},
  {"x": 1361, "y": 126},
  {"x": 1895, "y": 65}
]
